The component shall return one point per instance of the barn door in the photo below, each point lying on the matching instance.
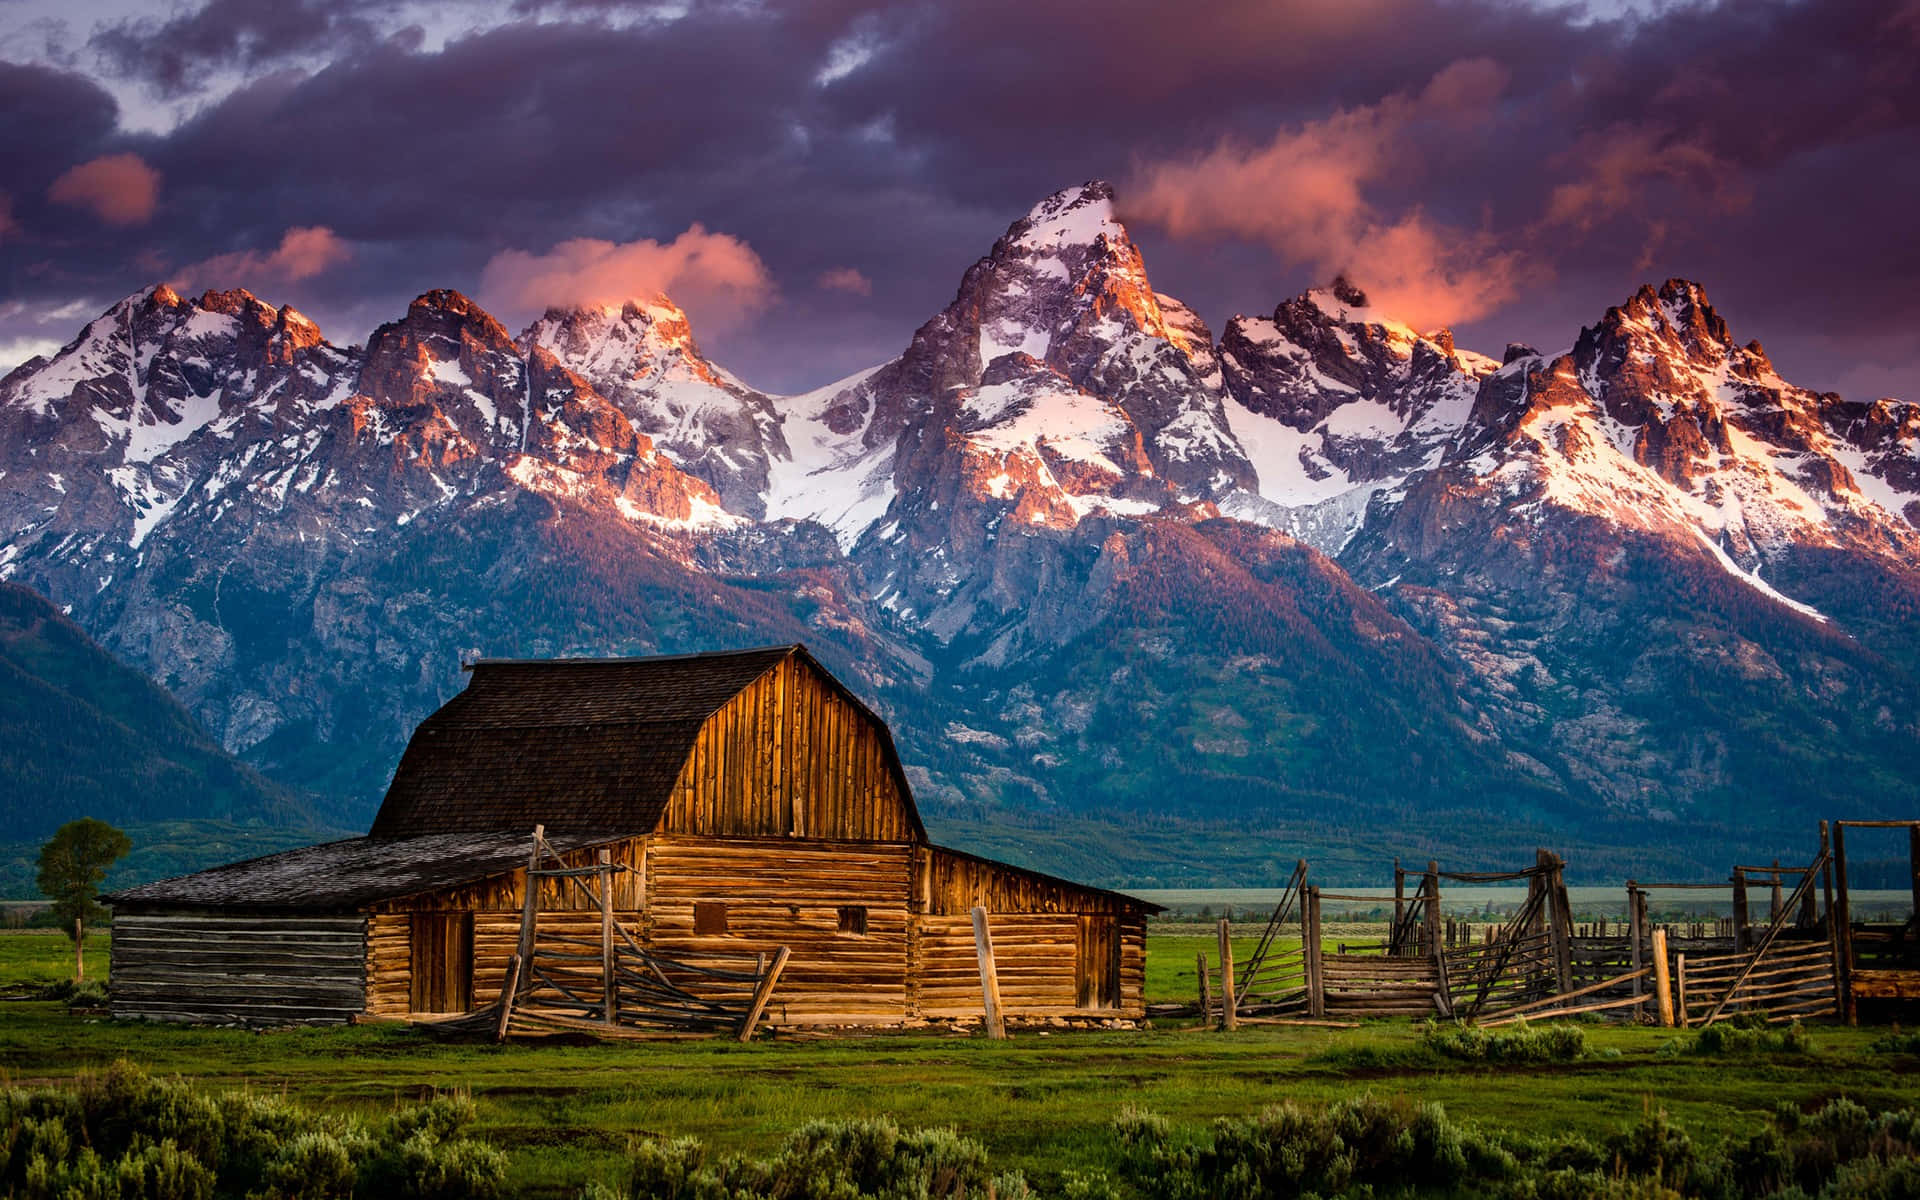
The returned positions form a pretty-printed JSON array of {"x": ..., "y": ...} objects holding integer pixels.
[
  {"x": 442, "y": 962},
  {"x": 1099, "y": 974}
]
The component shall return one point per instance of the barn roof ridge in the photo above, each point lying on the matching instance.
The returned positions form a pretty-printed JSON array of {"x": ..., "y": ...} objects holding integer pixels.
[{"x": 595, "y": 659}]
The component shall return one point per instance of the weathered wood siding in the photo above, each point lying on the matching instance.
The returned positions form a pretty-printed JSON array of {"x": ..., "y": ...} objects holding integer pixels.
[
  {"x": 790, "y": 757},
  {"x": 954, "y": 883},
  {"x": 566, "y": 910},
  {"x": 779, "y": 893},
  {"x": 264, "y": 970},
  {"x": 1038, "y": 957},
  {"x": 1048, "y": 959}
]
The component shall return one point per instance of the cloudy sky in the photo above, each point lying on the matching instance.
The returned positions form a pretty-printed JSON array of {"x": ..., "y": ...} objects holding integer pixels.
[{"x": 810, "y": 179}]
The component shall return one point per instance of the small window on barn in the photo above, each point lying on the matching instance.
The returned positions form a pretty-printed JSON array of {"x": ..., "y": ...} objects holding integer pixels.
[
  {"x": 853, "y": 919},
  {"x": 709, "y": 917}
]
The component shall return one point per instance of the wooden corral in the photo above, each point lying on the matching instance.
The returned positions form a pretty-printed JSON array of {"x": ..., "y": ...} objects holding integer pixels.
[
  {"x": 747, "y": 807},
  {"x": 1802, "y": 959}
]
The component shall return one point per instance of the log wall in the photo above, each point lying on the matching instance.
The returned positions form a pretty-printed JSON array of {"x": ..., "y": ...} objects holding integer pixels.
[
  {"x": 915, "y": 957},
  {"x": 779, "y": 893},
  {"x": 1038, "y": 959},
  {"x": 790, "y": 757},
  {"x": 219, "y": 969}
]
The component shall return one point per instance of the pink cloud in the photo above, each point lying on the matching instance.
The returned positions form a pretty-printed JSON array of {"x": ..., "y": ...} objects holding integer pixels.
[
  {"x": 1305, "y": 194},
  {"x": 715, "y": 276},
  {"x": 120, "y": 189},
  {"x": 846, "y": 279},
  {"x": 303, "y": 252},
  {"x": 1616, "y": 165}
]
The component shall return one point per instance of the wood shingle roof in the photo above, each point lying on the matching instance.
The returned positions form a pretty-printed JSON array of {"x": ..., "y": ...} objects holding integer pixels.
[
  {"x": 342, "y": 876},
  {"x": 574, "y": 744}
]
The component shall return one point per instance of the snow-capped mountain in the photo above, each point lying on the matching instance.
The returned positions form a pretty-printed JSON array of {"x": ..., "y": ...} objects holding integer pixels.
[
  {"x": 1336, "y": 403},
  {"x": 1077, "y": 548},
  {"x": 642, "y": 357}
]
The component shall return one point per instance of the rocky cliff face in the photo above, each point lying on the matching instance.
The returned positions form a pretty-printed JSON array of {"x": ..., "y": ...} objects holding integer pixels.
[{"x": 1077, "y": 549}]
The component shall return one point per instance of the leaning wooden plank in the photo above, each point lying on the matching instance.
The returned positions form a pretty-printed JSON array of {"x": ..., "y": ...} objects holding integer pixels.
[
  {"x": 1616, "y": 981},
  {"x": 762, "y": 993},
  {"x": 507, "y": 994},
  {"x": 1548, "y": 1014}
]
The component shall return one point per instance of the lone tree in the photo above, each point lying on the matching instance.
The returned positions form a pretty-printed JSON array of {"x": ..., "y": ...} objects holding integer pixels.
[{"x": 71, "y": 868}]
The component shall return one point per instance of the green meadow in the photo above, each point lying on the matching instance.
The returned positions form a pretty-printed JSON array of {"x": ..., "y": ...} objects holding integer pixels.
[{"x": 1042, "y": 1102}]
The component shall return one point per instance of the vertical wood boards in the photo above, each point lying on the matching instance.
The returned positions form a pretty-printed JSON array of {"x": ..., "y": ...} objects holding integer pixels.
[
  {"x": 440, "y": 962},
  {"x": 790, "y": 757},
  {"x": 1098, "y": 982},
  {"x": 223, "y": 968}
]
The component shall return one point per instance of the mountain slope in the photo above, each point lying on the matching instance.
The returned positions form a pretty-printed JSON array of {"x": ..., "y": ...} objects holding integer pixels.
[{"x": 85, "y": 735}]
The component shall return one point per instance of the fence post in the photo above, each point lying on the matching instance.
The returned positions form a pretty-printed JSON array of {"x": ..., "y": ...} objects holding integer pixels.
[
  {"x": 1742, "y": 933},
  {"x": 1634, "y": 932},
  {"x": 1229, "y": 1003},
  {"x": 1680, "y": 989},
  {"x": 1206, "y": 1000},
  {"x": 989, "y": 975},
  {"x": 1562, "y": 920},
  {"x": 610, "y": 980},
  {"x": 1843, "y": 921},
  {"x": 1662, "y": 981},
  {"x": 1310, "y": 945},
  {"x": 1400, "y": 906},
  {"x": 1433, "y": 906}
]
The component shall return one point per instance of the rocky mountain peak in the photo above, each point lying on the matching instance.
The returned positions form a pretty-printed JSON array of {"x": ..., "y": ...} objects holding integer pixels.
[
  {"x": 634, "y": 340},
  {"x": 641, "y": 355}
]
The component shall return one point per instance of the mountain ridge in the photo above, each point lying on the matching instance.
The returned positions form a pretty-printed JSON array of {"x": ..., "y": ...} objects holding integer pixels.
[{"x": 1339, "y": 560}]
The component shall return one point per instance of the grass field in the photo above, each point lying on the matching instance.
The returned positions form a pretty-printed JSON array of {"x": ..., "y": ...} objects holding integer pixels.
[{"x": 1040, "y": 1102}]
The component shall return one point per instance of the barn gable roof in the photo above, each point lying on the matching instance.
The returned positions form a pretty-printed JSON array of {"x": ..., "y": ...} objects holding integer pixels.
[{"x": 574, "y": 744}]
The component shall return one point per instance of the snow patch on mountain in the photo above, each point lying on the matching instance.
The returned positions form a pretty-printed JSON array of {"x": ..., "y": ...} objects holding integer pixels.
[{"x": 830, "y": 476}]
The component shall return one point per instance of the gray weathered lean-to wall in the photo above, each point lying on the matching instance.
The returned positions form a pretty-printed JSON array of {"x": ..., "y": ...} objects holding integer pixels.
[{"x": 219, "y": 969}]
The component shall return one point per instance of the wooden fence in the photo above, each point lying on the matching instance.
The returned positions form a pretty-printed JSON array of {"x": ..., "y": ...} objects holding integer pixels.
[{"x": 1539, "y": 962}]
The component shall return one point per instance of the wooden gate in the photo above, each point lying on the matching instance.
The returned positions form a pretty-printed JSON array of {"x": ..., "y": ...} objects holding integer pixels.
[{"x": 1782, "y": 978}]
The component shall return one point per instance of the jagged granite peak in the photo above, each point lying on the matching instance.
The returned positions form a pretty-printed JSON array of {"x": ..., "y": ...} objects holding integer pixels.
[
  {"x": 1657, "y": 425},
  {"x": 1055, "y": 344},
  {"x": 642, "y": 356},
  {"x": 1336, "y": 402}
]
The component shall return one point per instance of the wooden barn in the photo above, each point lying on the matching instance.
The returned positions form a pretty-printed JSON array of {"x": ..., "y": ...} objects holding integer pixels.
[{"x": 699, "y": 810}]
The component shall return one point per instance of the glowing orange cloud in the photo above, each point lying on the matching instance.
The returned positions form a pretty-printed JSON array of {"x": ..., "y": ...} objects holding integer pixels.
[
  {"x": 303, "y": 252},
  {"x": 714, "y": 275},
  {"x": 1617, "y": 163},
  {"x": 120, "y": 189},
  {"x": 846, "y": 279},
  {"x": 1304, "y": 194}
]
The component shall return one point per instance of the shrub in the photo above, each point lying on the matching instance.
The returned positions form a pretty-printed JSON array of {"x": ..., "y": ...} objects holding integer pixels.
[
  {"x": 123, "y": 1135},
  {"x": 1519, "y": 1043},
  {"x": 824, "y": 1160},
  {"x": 1749, "y": 1033},
  {"x": 1353, "y": 1146},
  {"x": 1897, "y": 1042}
]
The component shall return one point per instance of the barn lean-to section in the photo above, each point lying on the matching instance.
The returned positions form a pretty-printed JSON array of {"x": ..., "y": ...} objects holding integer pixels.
[{"x": 746, "y": 802}]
